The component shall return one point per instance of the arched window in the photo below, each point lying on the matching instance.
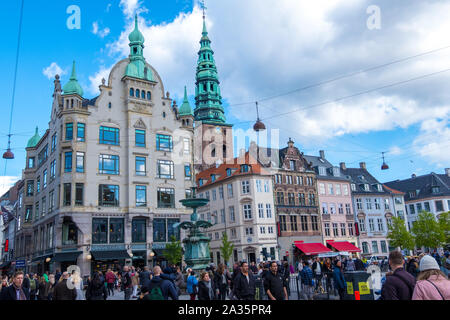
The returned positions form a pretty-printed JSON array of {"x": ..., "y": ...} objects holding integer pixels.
[
  {"x": 212, "y": 86},
  {"x": 131, "y": 92},
  {"x": 204, "y": 87},
  {"x": 164, "y": 114},
  {"x": 224, "y": 151},
  {"x": 213, "y": 152},
  {"x": 137, "y": 93},
  {"x": 71, "y": 103},
  {"x": 143, "y": 94},
  {"x": 109, "y": 105},
  {"x": 149, "y": 95}
]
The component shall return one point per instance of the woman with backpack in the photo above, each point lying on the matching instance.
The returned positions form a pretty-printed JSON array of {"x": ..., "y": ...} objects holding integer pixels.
[
  {"x": 432, "y": 284},
  {"x": 191, "y": 285},
  {"x": 96, "y": 289}
]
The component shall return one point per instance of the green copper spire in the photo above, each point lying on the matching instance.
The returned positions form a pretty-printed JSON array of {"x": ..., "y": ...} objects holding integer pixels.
[
  {"x": 208, "y": 101},
  {"x": 185, "y": 109},
  {"x": 137, "y": 67},
  {"x": 73, "y": 87},
  {"x": 34, "y": 140}
]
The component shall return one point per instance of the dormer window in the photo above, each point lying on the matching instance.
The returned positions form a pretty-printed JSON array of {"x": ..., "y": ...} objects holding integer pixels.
[
  {"x": 336, "y": 172},
  {"x": 292, "y": 164},
  {"x": 380, "y": 188},
  {"x": 322, "y": 171},
  {"x": 213, "y": 177},
  {"x": 353, "y": 187},
  {"x": 412, "y": 194},
  {"x": 244, "y": 168},
  {"x": 435, "y": 189},
  {"x": 228, "y": 172},
  {"x": 366, "y": 187},
  {"x": 200, "y": 182}
]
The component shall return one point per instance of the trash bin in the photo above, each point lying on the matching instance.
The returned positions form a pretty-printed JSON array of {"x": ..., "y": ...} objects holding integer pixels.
[{"x": 358, "y": 281}]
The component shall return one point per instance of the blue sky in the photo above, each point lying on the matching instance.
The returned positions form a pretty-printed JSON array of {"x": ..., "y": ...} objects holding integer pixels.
[{"x": 262, "y": 48}]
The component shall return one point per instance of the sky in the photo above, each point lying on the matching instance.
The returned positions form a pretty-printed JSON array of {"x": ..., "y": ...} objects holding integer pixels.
[{"x": 388, "y": 62}]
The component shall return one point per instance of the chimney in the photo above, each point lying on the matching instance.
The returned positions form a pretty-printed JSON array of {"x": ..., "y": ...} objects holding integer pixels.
[
  {"x": 447, "y": 172},
  {"x": 362, "y": 165},
  {"x": 413, "y": 176},
  {"x": 322, "y": 154},
  {"x": 342, "y": 165}
]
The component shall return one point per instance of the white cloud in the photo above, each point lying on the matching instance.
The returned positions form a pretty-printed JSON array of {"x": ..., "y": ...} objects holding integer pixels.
[
  {"x": 101, "y": 33},
  {"x": 131, "y": 7},
  {"x": 433, "y": 143},
  {"x": 395, "y": 151},
  {"x": 52, "y": 70},
  {"x": 7, "y": 182},
  {"x": 96, "y": 79}
]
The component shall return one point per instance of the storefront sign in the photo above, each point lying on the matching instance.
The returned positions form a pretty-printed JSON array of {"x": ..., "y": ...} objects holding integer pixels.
[{"x": 363, "y": 288}]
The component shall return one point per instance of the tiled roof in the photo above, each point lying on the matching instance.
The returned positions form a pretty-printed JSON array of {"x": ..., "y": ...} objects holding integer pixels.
[
  {"x": 422, "y": 186},
  {"x": 317, "y": 162},
  {"x": 392, "y": 190},
  {"x": 221, "y": 171}
]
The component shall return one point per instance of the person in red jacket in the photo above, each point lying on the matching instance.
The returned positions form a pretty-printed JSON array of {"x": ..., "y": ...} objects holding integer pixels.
[{"x": 110, "y": 280}]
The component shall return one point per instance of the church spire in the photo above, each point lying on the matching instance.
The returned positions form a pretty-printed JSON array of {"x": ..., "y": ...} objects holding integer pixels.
[
  {"x": 208, "y": 101},
  {"x": 73, "y": 87}
]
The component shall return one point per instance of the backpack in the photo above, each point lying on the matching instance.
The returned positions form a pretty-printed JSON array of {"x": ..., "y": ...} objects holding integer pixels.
[
  {"x": 156, "y": 293},
  {"x": 32, "y": 285}
]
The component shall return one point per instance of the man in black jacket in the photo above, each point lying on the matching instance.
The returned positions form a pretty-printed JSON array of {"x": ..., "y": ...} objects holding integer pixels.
[
  {"x": 244, "y": 284},
  {"x": 15, "y": 291},
  {"x": 62, "y": 290},
  {"x": 400, "y": 284},
  {"x": 274, "y": 284}
]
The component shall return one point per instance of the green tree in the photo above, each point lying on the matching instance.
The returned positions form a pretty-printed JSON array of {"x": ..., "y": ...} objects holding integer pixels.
[
  {"x": 227, "y": 248},
  {"x": 427, "y": 231},
  {"x": 399, "y": 236},
  {"x": 444, "y": 223},
  {"x": 174, "y": 251}
]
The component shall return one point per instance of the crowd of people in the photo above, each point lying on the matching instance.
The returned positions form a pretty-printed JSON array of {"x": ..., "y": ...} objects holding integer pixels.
[{"x": 412, "y": 278}]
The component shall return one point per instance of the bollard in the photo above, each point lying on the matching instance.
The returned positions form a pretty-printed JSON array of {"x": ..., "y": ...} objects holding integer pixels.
[{"x": 357, "y": 297}]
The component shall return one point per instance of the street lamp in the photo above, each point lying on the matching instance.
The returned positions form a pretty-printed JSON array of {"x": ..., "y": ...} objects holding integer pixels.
[
  {"x": 48, "y": 259},
  {"x": 89, "y": 257},
  {"x": 152, "y": 254}
]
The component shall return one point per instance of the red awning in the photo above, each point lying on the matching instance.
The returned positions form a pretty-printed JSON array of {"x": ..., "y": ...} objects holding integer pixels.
[
  {"x": 343, "y": 246},
  {"x": 311, "y": 248}
]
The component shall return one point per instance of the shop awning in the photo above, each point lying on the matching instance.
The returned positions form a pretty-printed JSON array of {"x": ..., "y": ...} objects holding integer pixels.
[
  {"x": 40, "y": 258},
  {"x": 67, "y": 256},
  {"x": 5, "y": 264},
  {"x": 343, "y": 246},
  {"x": 110, "y": 255},
  {"x": 311, "y": 248}
]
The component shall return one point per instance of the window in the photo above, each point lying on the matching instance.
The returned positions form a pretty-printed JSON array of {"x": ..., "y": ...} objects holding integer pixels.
[
  {"x": 233, "y": 233},
  {"x": 377, "y": 203},
  {"x": 350, "y": 229},
  {"x": 343, "y": 230},
  {"x": 81, "y": 134},
  {"x": 439, "y": 205},
  {"x": 141, "y": 166},
  {"x": 69, "y": 131},
  {"x": 138, "y": 230},
  {"x": 166, "y": 198},
  {"x": 374, "y": 247},
  {"x": 116, "y": 230},
  {"x": 70, "y": 234},
  {"x": 341, "y": 208},
  {"x": 221, "y": 192},
  {"x": 44, "y": 206},
  {"x": 312, "y": 199},
  {"x": 369, "y": 204},
  {"x": 330, "y": 188},
  {"x": 332, "y": 208},
  {"x": 321, "y": 188},
  {"x": 291, "y": 164},
  {"x": 266, "y": 186},
  {"x": 304, "y": 220},
  {"x": 293, "y": 223},
  {"x": 159, "y": 230},
  {"x": 280, "y": 198},
  {"x": 335, "y": 230},
  {"x": 365, "y": 247},
  {"x": 51, "y": 201},
  {"x": 216, "y": 219},
  {"x": 262, "y": 230},
  {"x": 353, "y": 187},
  {"x": 347, "y": 209},
  {"x": 108, "y": 164},
  {"x": 338, "y": 189},
  {"x": 140, "y": 138},
  {"x": 427, "y": 206},
  {"x": 383, "y": 246},
  {"x": 411, "y": 209},
  {"x": 80, "y": 162},
  {"x": 314, "y": 223},
  {"x": 138, "y": 93},
  {"x": 245, "y": 187},
  {"x": 108, "y": 195},
  {"x": 278, "y": 179},
  {"x": 289, "y": 179},
  {"x": 324, "y": 208},
  {"x": 228, "y": 172},
  {"x": 67, "y": 201},
  {"x": 207, "y": 195},
  {"x": 258, "y": 186},
  {"x": 291, "y": 199},
  {"x": 345, "y": 189},
  {"x": 261, "y": 210},
  {"x": 31, "y": 162},
  {"x": 366, "y": 187},
  {"x": 163, "y": 142},
  {"x": 131, "y": 92},
  {"x": 38, "y": 185},
  {"x": 435, "y": 189},
  {"x": 186, "y": 146},
  {"x": 30, "y": 188},
  {"x": 222, "y": 215},
  {"x": 165, "y": 169},
  {"x": 141, "y": 196},
  {"x": 230, "y": 190},
  {"x": 247, "y": 211},
  {"x": 371, "y": 225},
  {"x": 268, "y": 210},
  {"x": 109, "y": 136},
  {"x": 362, "y": 225},
  {"x": 53, "y": 169},
  {"x": 28, "y": 213},
  {"x": 171, "y": 230},
  {"x": 322, "y": 171},
  {"x": 68, "y": 162},
  {"x": 54, "y": 141},
  {"x": 248, "y": 231},
  {"x": 79, "y": 190},
  {"x": 232, "y": 216},
  {"x": 283, "y": 223},
  {"x": 188, "y": 193},
  {"x": 301, "y": 199},
  {"x": 327, "y": 229},
  {"x": 244, "y": 168},
  {"x": 386, "y": 204},
  {"x": 419, "y": 207},
  {"x": 270, "y": 230}
]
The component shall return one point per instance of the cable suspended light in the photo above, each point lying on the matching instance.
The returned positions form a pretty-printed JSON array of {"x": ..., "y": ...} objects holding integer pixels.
[
  {"x": 259, "y": 125},
  {"x": 384, "y": 166}
]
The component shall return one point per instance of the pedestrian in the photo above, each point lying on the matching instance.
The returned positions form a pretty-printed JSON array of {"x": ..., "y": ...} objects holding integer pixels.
[
  {"x": 339, "y": 281},
  {"x": 50, "y": 286},
  {"x": 135, "y": 282},
  {"x": 317, "y": 270},
  {"x": 62, "y": 290},
  {"x": 4, "y": 283},
  {"x": 274, "y": 284},
  {"x": 192, "y": 285},
  {"x": 306, "y": 276},
  {"x": 96, "y": 289},
  {"x": 45, "y": 275},
  {"x": 300, "y": 266},
  {"x": 126, "y": 283},
  {"x": 110, "y": 280},
  {"x": 253, "y": 267},
  {"x": 400, "y": 284},
  {"x": 221, "y": 282},
  {"x": 351, "y": 264},
  {"x": 15, "y": 290},
  {"x": 412, "y": 267},
  {"x": 244, "y": 284},
  {"x": 161, "y": 288},
  {"x": 179, "y": 279},
  {"x": 432, "y": 284},
  {"x": 33, "y": 286},
  {"x": 57, "y": 275},
  {"x": 42, "y": 292},
  {"x": 328, "y": 273},
  {"x": 206, "y": 287}
]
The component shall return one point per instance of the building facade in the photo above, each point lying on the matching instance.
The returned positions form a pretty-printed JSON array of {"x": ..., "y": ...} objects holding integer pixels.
[
  {"x": 335, "y": 201},
  {"x": 103, "y": 184},
  {"x": 241, "y": 205}
]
